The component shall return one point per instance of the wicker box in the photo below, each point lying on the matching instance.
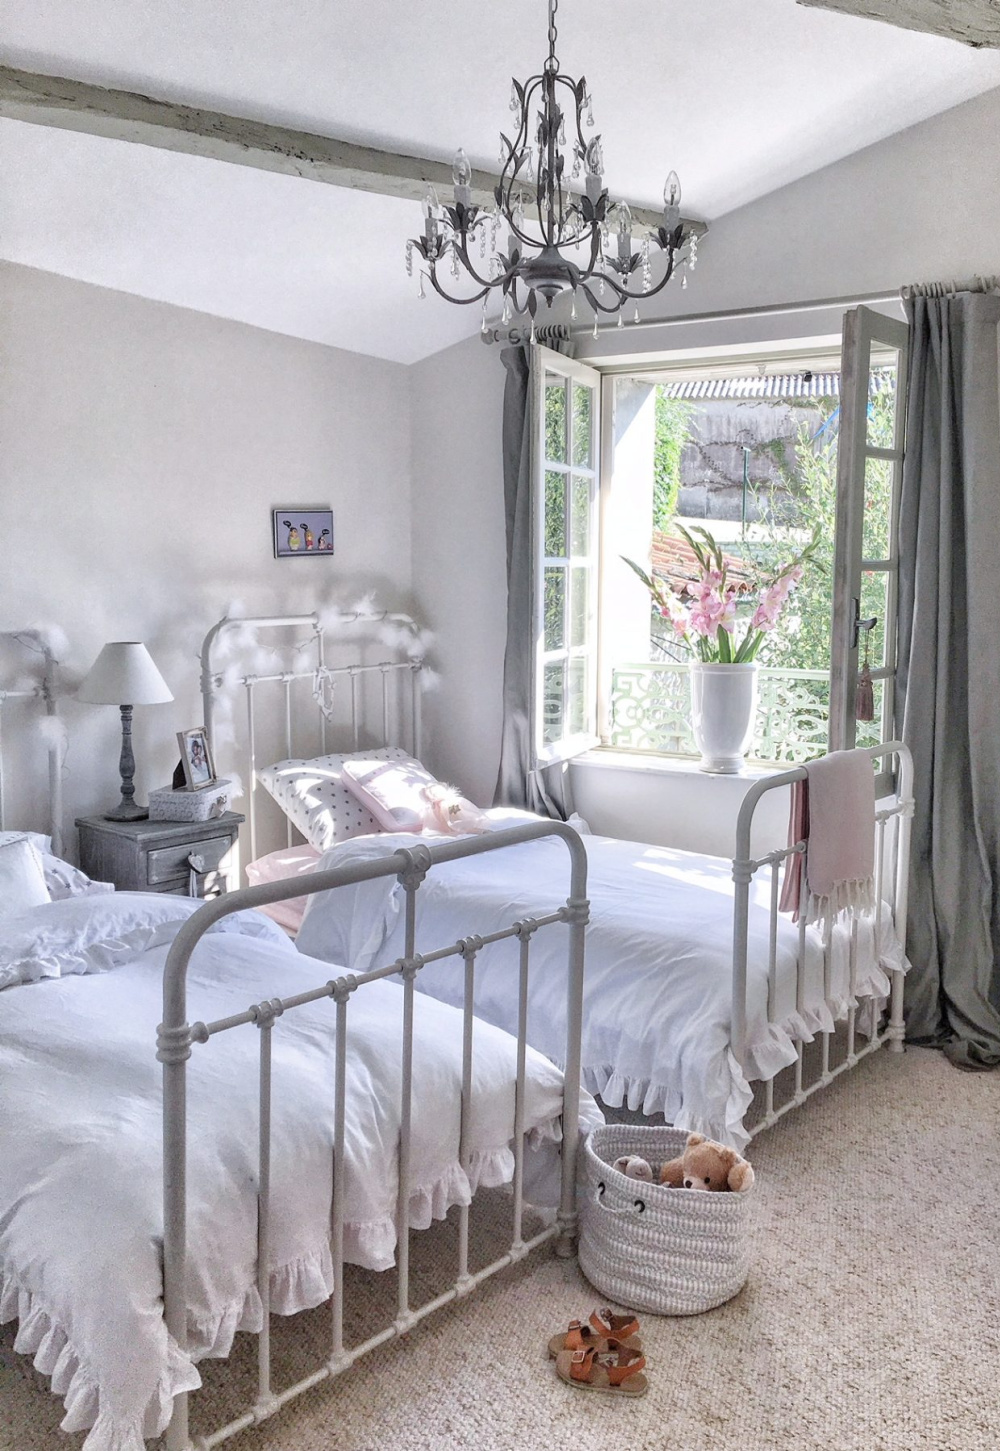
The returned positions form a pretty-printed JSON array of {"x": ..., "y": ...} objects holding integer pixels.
[
  {"x": 647, "y": 1247},
  {"x": 205, "y": 804}
]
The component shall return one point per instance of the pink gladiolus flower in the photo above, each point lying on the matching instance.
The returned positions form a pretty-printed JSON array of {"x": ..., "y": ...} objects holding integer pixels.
[{"x": 714, "y": 611}]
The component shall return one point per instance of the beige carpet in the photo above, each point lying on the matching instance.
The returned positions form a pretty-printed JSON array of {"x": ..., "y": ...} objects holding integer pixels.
[{"x": 871, "y": 1321}]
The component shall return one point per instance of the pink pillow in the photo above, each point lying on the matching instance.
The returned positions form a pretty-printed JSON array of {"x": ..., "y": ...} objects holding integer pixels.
[
  {"x": 393, "y": 791},
  {"x": 278, "y": 866}
]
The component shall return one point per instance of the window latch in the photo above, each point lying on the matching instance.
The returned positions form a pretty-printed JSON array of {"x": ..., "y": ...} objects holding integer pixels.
[{"x": 860, "y": 624}]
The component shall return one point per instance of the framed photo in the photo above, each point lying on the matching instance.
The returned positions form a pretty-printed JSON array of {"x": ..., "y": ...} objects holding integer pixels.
[
  {"x": 196, "y": 758},
  {"x": 302, "y": 533}
]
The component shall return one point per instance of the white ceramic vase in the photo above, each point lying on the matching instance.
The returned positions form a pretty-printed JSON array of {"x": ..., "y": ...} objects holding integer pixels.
[{"x": 723, "y": 710}]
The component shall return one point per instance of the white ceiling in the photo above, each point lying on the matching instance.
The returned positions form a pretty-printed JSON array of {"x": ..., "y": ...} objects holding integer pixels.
[{"x": 740, "y": 98}]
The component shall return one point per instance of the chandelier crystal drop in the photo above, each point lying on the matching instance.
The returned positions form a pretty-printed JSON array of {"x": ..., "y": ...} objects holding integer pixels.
[{"x": 557, "y": 240}]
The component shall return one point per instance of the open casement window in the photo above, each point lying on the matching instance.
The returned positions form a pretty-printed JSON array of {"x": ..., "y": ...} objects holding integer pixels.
[
  {"x": 565, "y": 454},
  {"x": 866, "y": 567}
]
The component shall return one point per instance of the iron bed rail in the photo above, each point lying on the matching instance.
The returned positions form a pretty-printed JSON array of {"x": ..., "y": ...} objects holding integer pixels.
[
  {"x": 176, "y": 1038},
  {"x": 745, "y": 867}
]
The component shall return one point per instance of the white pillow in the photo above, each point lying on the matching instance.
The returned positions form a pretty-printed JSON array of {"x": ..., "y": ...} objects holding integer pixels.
[
  {"x": 83, "y": 935},
  {"x": 22, "y": 880},
  {"x": 62, "y": 878},
  {"x": 393, "y": 791},
  {"x": 315, "y": 799}
]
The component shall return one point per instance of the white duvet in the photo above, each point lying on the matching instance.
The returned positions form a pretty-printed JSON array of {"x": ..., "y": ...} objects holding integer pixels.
[
  {"x": 657, "y": 997},
  {"x": 80, "y": 1167}
]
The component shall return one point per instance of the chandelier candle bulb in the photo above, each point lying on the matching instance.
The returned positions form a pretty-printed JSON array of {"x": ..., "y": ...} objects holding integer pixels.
[{"x": 461, "y": 173}]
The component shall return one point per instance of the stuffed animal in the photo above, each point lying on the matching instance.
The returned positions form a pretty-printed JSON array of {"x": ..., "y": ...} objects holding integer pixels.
[
  {"x": 448, "y": 812},
  {"x": 705, "y": 1164},
  {"x": 633, "y": 1167}
]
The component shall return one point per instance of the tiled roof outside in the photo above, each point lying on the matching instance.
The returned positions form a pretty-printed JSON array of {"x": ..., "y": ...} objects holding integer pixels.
[
  {"x": 772, "y": 385},
  {"x": 674, "y": 562}
]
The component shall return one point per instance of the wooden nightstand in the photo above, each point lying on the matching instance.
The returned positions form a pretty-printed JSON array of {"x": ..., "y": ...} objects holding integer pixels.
[{"x": 158, "y": 856}]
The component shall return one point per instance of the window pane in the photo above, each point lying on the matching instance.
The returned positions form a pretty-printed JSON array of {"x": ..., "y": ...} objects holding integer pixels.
[
  {"x": 555, "y": 420},
  {"x": 583, "y": 402},
  {"x": 555, "y": 609},
  {"x": 580, "y": 516},
  {"x": 552, "y": 703},
  {"x": 555, "y": 514},
  {"x": 878, "y": 509},
  {"x": 580, "y": 606},
  {"x": 576, "y": 710},
  {"x": 881, "y": 406},
  {"x": 874, "y": 589}
]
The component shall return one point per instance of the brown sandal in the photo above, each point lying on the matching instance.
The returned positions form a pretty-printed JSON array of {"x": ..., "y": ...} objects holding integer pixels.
[
  {"x": 620, "y": 1329},
  {"x": 577, "y": 1337},
  {"x": 617, "y": 1372},
  {"x": 604, "y": 1331}
]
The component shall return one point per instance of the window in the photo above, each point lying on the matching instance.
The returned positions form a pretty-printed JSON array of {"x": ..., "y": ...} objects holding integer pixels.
[
  {"x": 760, "y": 452},
  {"x": 566, "y": 399}
]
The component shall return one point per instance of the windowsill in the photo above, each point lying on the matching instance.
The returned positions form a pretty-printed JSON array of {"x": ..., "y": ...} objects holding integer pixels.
[{"x": 607, "y": 758}]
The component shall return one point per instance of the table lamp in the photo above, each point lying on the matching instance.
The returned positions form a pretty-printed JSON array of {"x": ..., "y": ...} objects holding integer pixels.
[{"x": 124, "y": 671}]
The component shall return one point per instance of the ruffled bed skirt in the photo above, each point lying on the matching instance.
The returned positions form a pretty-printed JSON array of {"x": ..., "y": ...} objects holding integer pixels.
[
  {"x": 301, "y": 1284},
  {"x": 772, "y": 1048}
]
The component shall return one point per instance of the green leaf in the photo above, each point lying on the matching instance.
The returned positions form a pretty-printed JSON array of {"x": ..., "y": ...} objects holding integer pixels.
[
  {"x": 725, "y": 647},
  {"x": 640, "y": 572}
]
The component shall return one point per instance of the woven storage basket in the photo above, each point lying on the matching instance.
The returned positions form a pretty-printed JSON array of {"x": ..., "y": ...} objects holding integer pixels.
[{"x": 682, "y": 1252}]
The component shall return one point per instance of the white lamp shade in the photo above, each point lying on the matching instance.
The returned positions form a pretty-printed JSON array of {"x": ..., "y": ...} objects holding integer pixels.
[{"x": 124, "y": 674}]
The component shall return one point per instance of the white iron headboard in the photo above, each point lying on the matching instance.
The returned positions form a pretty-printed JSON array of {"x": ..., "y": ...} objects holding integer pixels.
[
  {"x": 43, "y": 692},
  {"x": 350, "y": 701}
]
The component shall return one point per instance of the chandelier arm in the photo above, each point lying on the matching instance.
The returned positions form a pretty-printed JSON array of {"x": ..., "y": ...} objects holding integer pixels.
[
  {"x": 489, "y": 283},
  {"x": 518, "y": 148},
  {"x": 623, "y": 294},
  {"x": 462, "y": 301}
]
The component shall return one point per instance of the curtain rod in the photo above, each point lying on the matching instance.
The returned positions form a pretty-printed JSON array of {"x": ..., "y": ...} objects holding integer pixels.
[
  {"x": 561, "y": 331},
  {"x": 949, "y": 289}
]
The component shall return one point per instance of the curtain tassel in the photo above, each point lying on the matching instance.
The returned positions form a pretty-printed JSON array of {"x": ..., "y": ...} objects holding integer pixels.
[{"x": 864, "y": 696}]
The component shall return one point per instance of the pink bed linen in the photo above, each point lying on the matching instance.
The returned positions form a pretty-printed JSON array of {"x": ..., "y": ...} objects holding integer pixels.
[{"x": 278, "y": 866}]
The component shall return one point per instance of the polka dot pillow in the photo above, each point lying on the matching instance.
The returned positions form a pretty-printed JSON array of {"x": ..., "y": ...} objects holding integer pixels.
[{"x": 315, "y": 799}]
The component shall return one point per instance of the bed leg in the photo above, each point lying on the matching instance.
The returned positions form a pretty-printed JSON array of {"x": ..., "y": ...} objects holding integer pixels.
[
  {"x": 896, "y": 1031},
  {"x": 176, "y": 1435}
]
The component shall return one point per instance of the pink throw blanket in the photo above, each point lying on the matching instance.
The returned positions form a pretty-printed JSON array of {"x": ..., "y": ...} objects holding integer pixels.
[{"x": 833, "y": 810}]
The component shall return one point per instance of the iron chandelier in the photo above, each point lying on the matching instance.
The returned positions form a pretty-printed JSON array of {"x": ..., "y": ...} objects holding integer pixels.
[{"x": 558, "y": 239}]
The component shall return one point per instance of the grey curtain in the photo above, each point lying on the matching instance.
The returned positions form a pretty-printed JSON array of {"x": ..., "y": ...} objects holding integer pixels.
[
  {"x": 949, "y": 673},
  {"x": 519, "y": 783}
]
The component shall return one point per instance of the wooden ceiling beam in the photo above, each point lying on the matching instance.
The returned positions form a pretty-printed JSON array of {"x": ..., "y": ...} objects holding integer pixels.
[
  {"x": 973, "y": 22},
  {"x": 127, "y": 116}
]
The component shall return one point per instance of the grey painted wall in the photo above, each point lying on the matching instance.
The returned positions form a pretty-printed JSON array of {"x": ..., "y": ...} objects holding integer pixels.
[{"x": 143, "y": 447}]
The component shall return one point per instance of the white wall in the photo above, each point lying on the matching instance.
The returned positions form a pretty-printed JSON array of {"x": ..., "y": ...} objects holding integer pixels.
[
  {"x": 142, "y": 447},
  {"x": 920, "y": 206}
]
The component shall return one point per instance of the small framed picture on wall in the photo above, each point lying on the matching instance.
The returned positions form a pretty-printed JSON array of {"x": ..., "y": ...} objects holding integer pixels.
[{"x": 302, "y": 533}]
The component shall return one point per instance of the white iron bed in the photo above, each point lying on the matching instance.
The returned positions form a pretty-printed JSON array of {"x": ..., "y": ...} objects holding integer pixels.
[
  {"x": 697, "y": 985},
  {"x": 304, "y": 1121}
]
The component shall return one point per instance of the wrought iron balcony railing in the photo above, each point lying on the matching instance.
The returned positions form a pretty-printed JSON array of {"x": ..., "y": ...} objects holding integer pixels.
[{"x": 651, "y": 711}]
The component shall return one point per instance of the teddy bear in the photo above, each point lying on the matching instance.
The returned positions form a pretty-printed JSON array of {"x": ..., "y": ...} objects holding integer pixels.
[
  {"x": 449, "y": 812},
  {"x": 705, "y": 1164}
]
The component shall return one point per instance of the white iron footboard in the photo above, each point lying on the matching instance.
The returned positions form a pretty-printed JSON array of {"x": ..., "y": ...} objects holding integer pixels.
[
  {"x": 745, "y": 867},
  {"x": 176, "y": 1038}
]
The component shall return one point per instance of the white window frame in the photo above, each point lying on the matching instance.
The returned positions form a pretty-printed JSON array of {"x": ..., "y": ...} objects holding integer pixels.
[
  {"x": 546, "y": 363},
  {"x": 864, "y": 331}
]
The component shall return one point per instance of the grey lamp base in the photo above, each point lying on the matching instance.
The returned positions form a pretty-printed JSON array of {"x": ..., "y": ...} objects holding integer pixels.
[{"x": 127, "y": 811}]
